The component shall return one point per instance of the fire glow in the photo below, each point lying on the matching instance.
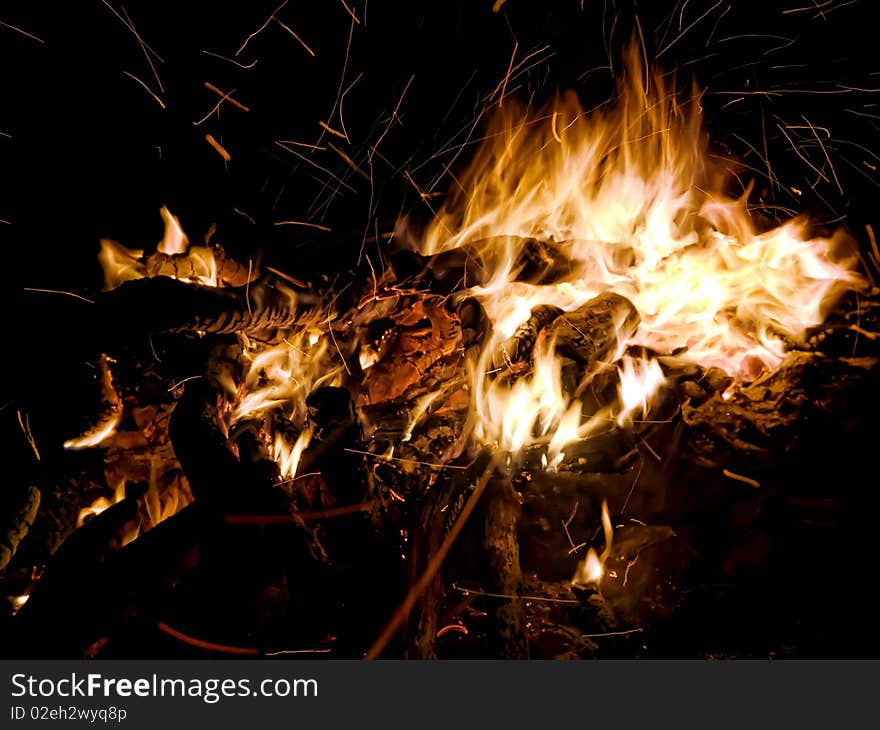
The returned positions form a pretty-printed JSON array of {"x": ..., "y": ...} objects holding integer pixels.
[
  {"x": 632, "y": 203},
  {"x": 631, "y": 196}
]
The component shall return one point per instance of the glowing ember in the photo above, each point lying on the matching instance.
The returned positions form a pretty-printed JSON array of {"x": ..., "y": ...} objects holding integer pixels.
[
  {"x": 19, "y": 601},
  {"x": 631, "y": 198}
]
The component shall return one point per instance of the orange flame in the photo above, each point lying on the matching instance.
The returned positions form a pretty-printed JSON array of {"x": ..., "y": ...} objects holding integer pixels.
[
  {"x": 591, "y": 569},
  {"x": 631, "y": 196},
  {"x": 174, "y": 257},
  {"x": 280, "y": 378},
  {"x": 174, "y": 241},
  {"x": 106, "y": 427}
]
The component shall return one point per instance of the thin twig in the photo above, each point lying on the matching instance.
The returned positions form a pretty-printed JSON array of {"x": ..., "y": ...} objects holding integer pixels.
[
  {"x": 510, "y": 596},
  {"x": 57, "y": 291}
]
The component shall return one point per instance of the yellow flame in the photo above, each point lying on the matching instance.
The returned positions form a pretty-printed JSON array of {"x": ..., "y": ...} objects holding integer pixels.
[
  {"x": 288, "y": 457},
  {"x": 278, "y": 381},
  {"x": 174, "y": 241},
  {"x": 94, "y": 509},
  {"x": 279, "y": 376},
  {"x": 633, "y": 200},
  {"x": 96, "y": 436},
  {"x": 106, "y": 427},
  {"x": 204, "y": 266},
  {"x": 100, "y": 504},
  {"x": 283, "y": 375},
  {"x": 609, "y": 532},
  {"x": 639, "y": 381},
  {"x": 418, "y": 410},
  {"x": 591, "y": 569},
  {"x": 121, "y": 264},
  {"x": 19, "y": 601}
]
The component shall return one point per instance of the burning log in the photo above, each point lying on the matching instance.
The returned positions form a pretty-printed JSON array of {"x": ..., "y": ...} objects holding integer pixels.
[
  {"x": 543, "y": 262},
  {"x": 439, "y": 519},
  {"x": 442, "y": 273},
  {"x": 18, "y": 518},
  {"x": 761, "y": 419},
  {"x": 425, "y": 332},
  {"x": 91, "y": 587},
  {"x": 520, "y": 346},
  {"x": 148, "y": 306},
  {"x": 502, "y": 505},
  {"x": 215, "y": 475},
  {"x": 194, "y": 263},
  {"x": 593, "y": 334},
  {"x": 535, "y": 262},
  {"x": 475, "y": 324},
  {"x": 586, "y": 339},
  {"x": 335, "y": 444}
]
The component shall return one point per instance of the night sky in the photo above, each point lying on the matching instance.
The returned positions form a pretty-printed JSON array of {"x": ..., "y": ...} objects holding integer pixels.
[{"x": 87, "y": 152}]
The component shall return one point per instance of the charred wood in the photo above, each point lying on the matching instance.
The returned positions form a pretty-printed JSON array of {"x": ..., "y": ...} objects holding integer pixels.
[
  {"x": 476, "y": 326},
  {"x": 594, "y": 333},
  {"x": 91, "y": 585},
  {"x": 502, "y": 506},
  {"x": 763, "y": 418},
  {"x": 520, "y": 346},
  {"x": 436, "y": 515},
  {"x": 425, "y": 332},
  {"x": 149, "y": 306},
  {"x": 336, "y": 442},
  {"x": 214, "y": 473},
  {"x": 18, "y": 518},
  {"x": 191, "y": 264}
]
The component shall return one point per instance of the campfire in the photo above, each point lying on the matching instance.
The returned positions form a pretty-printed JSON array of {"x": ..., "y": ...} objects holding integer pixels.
[{"x": 523, "y": 430}]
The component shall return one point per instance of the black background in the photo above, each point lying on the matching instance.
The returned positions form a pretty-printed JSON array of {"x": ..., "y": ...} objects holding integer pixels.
[{"x": 90, "y": 154}]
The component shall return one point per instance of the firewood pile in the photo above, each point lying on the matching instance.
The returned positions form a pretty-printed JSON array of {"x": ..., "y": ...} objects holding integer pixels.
[
  {"x": 194, "y": 534},
  {"x": 594, "y": 407}
]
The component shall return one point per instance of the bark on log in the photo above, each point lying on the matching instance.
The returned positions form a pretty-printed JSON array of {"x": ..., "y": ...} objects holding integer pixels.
[
  {"x": 215, "y": 475},
  {"x": 476, "y": 326},
  {"x": 428, "y": 533},
  {"x": 149, "y": 306},
  {"x": 434, "y": 518},
  {"x": 520, "y": 346},
  {"x": 192, "y": 264},
  {"x": 763, "y": 419},
  {"x": 507, "y": 639},
  {"x": 537, "y": 262},
  {"x": 17, "y": 523},
  {"x": 593, "y": 334}
]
